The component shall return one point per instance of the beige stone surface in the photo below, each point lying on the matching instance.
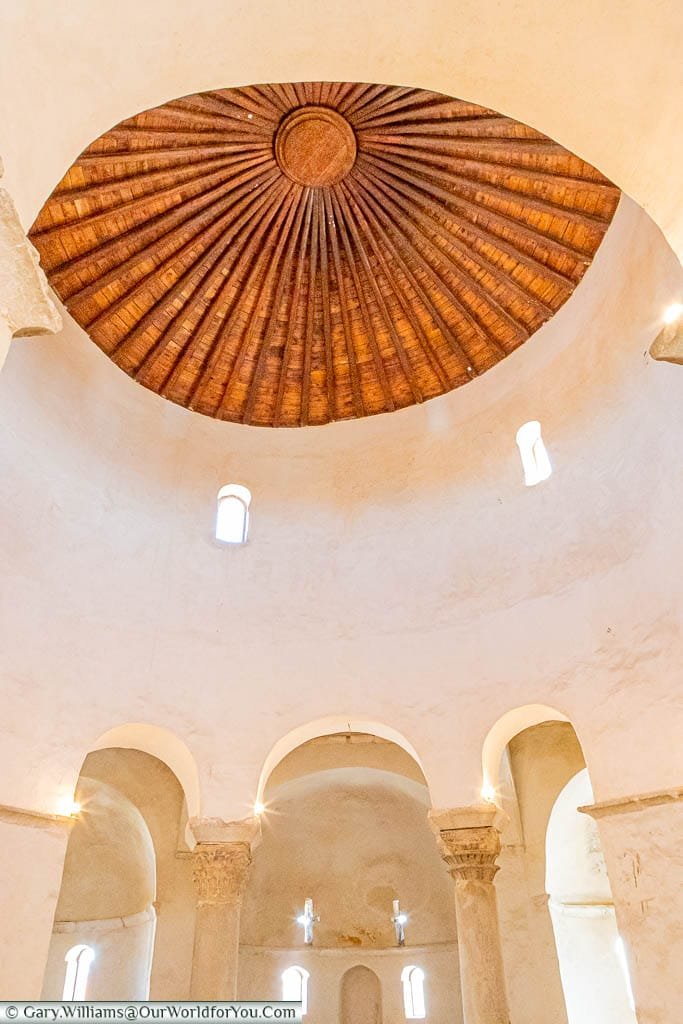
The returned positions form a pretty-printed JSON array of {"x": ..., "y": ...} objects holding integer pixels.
[
  {"x": 668, "y": 345},
  {"x": 26, "y": 302},
  {"x": 641, "y": 841}
]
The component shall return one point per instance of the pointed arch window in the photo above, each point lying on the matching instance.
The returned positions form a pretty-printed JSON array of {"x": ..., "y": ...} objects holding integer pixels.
[
  {"x": 78, "y": 961},
  {"x": 412, "y": 979},
  {"x": 232, "y": 515},
  {"x": 295, "y": 987},
  {"x": 535, "y": 459}
]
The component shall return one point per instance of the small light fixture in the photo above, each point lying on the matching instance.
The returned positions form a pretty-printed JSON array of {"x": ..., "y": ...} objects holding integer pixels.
[
  {"x": 673, "y": 313},
  {"x": 259, "y": 808},
  {"x": 67, "y": 807},
  {"x": 488, "y": 793}
]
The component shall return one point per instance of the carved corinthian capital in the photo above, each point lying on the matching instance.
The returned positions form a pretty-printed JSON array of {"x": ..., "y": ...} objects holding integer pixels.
[
  {"x": 471, "y": 853},
  {"x": 220, "y": 872}
]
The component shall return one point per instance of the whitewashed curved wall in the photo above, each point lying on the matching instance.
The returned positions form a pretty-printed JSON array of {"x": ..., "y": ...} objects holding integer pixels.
[{"x": 397, "y": 567}]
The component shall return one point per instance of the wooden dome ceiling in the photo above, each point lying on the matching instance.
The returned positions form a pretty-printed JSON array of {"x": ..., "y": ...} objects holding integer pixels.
[{"x": 286, "y": 255}]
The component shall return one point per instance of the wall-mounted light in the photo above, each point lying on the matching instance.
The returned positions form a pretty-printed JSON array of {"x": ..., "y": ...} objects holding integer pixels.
[
  {"x": 673, "y": 313},
  {"x": 488, "y": 793},
  {"x": 67, "y": 807}
]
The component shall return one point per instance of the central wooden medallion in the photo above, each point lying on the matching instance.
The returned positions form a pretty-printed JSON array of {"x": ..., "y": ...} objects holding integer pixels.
[{"x": 315, "y": 146}]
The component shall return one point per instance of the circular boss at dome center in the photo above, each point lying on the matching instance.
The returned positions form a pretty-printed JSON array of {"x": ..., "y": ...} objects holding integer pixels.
[{"x": 315, "y": 146}]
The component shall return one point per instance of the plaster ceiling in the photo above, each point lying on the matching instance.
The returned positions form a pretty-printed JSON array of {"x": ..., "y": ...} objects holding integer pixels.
[{"x": 287, "y": 255}]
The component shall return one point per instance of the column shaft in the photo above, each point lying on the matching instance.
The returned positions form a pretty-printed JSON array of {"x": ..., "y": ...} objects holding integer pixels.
[
  {"x": 220, "y": 875},
  {"x": 470, "y": 853}
]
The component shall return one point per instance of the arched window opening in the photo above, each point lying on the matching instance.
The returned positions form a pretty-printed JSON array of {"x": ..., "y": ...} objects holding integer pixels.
[
  {"x": 535, "y": 460},
  {"x": 590, "y": 954},
  {"x": 295, "y": 987},
  {"x": 232, "y": 517},
  {"x": 412, "y": 979},
  {"x": 78, "y": 961}
]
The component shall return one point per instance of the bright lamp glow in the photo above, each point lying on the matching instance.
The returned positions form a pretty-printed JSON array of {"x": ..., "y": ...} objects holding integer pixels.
[
  {"x": 488, "y": 793},
  {"x": 68, "y": 807},
  {"x": 259, "y": 808},
  {"x": 673, "y": 313}
]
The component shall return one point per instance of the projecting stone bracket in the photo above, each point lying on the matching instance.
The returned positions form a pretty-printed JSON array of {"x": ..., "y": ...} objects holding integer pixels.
[
  {"x": 668, "y": 345},
  {"x": 26, "y": 303}
]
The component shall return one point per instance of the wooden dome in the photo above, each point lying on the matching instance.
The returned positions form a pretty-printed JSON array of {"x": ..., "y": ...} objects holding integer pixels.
[{"x": 286, "y": 255}]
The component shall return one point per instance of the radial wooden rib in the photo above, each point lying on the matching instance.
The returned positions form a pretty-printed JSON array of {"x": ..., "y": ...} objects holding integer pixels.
[{"x": 206, "y": 272}]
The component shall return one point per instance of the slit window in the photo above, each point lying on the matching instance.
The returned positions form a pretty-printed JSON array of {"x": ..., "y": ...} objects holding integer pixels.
[
  {"x": 295, "y": 987},
  {"x": 535, "y": 460},
  {"x": 78, "y": 961},
  {"x": 413, "y": 979},
  {"x": 232, "y": 514}
]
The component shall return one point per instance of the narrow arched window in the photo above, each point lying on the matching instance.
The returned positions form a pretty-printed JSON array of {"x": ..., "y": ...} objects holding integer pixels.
[
  {"x": 78, "y": 961},
  {"x": 413, "y": 981},
  {"x": 295, "y": 987},
  {"x": 232, "y": 516},
  {"x": 535, "y": 458}
]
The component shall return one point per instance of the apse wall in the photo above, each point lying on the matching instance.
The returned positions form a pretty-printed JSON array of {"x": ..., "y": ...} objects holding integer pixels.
[
  {"x": 353, "y": 839},
  {"x": 399, "y": 561}
]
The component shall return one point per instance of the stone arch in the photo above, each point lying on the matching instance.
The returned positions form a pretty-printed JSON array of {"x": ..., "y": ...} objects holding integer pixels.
[
  {"x": 164, "y": 745},
  {"x": 506, "y": 728},
  {"x": 328, "y": 727}
]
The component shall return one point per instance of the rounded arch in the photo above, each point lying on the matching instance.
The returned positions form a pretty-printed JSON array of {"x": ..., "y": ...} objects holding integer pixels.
[
  {"x": 500, "y": 734},
  {"x": 164, "y": 745},
  {"x": 328, "y": 727},
  {"x": 361, "y": 996}
]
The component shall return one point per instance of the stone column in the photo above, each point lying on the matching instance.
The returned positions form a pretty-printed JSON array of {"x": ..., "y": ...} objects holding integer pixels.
[
  {"x": 221, "y": 862},
  {"x": 26, "y": 305},
  {"x": 32, "y": 851},
  {"x": 641, "y": 840},
  {"x": 469, "y": 841}
]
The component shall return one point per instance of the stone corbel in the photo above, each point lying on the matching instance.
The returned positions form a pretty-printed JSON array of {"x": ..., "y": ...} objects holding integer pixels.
[
  {"x": 668, "y": 345},
  {"x": 26, "y": 303}
]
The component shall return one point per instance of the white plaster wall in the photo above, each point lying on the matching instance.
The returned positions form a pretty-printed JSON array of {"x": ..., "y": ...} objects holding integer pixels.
[
  {"x": 261, "y": 973},
  {"x": 397, "y": 568},
  {"x": 603, "y": 79},
  {"x": 122, "y": 962},
  {"x": 31, "y": 861}
]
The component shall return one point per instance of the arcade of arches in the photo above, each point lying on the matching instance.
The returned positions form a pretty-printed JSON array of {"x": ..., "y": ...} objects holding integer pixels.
[{"x": 312, "y": 688}]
